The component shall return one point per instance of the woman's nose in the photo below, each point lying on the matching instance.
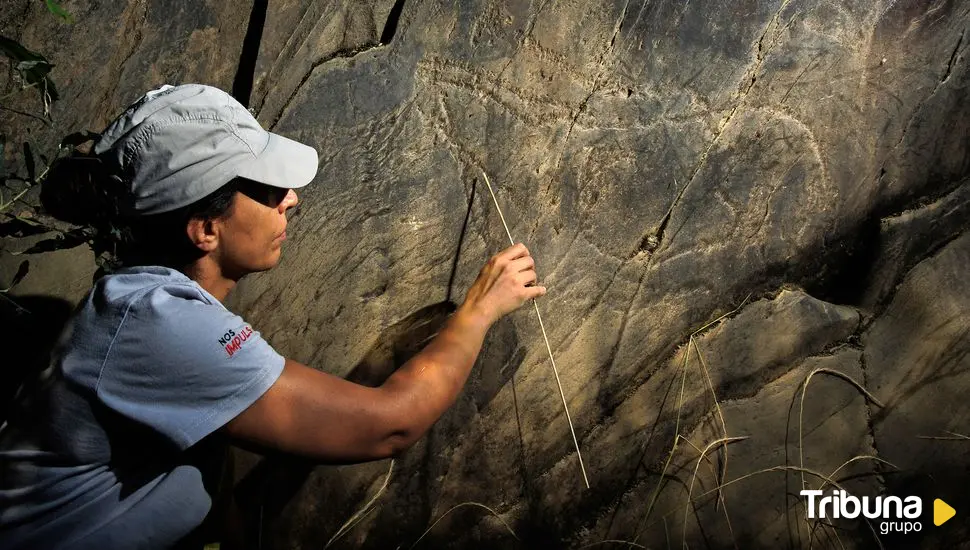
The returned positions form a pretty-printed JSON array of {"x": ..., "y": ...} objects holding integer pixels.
[{"x": 289, "y": 201}]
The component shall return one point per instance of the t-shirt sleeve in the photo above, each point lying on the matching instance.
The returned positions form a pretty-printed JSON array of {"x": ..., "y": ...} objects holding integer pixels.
[{"x": 185, "y": 366}]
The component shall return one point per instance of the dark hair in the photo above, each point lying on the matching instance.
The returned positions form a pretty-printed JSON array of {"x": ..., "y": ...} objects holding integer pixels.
[
  {"x": 77, "y": 190},
  {"x": 161, "y": 239}
]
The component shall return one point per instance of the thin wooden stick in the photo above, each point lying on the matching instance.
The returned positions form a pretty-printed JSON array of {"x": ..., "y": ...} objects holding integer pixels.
[{"x": 542, "y": 327}]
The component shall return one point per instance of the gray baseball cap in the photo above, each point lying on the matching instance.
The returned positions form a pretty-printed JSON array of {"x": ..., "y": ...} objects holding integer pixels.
[{"x": 178, "y": 144}]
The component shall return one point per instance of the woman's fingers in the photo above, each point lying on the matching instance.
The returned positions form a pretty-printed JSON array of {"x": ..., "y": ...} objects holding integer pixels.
[
  {"x": 526, "y": 278},
  {"x": 522, "y": 264},
  {"x": 513, "y": 252}
]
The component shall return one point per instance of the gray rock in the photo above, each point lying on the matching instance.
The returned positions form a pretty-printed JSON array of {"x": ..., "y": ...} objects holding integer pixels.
[
  {"x": 664, "y": 162},
  {"x": 918, "y": 356},
  {"x": 112, "y": 54}
]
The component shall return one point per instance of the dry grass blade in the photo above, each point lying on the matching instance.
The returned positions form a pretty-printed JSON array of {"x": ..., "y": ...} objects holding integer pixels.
[
  {"x": 801, "y": 406},
  {"x": 724, "y": 441},
  {"x": 357, "y": 517},
  {"x": 612, "y": 541},
  {"x": 666, "y": 533},
  {"x": 724, "y": 431},
  {"x": 545, "y": 338},
  {"x": 700, "y": 452},
  {"x": 801, "y": 412},
  {"x": 782, "y": 468},
  {"x": 457, "y": 506},
  {"x": 691, "y": 343},
  {"x": 857, "y": 458},
  {"x": 673, "y": 449},
  {"x": 952, "y": 437}
]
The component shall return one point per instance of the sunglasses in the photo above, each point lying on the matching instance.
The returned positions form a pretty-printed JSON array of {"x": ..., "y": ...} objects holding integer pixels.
[{"x": 262, "y": 193}]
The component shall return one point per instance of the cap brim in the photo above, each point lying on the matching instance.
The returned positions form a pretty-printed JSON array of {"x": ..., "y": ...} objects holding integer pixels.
[{"x": 283, "y": 163}]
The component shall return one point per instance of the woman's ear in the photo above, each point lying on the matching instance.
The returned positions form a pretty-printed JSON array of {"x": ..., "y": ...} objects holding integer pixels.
[{"x": 202, "y": 234}]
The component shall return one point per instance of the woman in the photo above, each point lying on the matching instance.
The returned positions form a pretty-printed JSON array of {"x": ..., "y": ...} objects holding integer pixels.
[{"x": 109, "y": 449}]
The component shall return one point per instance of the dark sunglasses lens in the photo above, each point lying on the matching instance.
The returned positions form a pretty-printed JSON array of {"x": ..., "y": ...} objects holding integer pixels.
[{"x": 264, "y": 194}]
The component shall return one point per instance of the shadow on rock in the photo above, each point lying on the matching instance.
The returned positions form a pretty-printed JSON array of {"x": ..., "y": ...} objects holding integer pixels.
[{"x": 399, "y": 343}]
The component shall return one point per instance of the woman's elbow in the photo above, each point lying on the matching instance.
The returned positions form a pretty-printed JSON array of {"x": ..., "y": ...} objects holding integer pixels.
[{"x": 396, "y": 443}]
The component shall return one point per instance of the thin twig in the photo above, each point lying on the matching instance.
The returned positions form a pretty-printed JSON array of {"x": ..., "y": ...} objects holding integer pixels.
[
  {"x": 457, "y": 506},
  {"x": 14, "y": 303},
  {"x": 16, "y": 198},
  {"x": 545, "y": 338}
]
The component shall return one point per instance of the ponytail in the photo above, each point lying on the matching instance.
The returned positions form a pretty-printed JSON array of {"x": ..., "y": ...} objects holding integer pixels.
[{"x": 79, "y": 190}]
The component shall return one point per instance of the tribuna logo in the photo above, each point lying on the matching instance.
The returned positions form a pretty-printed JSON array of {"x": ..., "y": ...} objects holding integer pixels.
[
  {"x": 233, "y": 341},
  {"x": 843, "y": 505}
]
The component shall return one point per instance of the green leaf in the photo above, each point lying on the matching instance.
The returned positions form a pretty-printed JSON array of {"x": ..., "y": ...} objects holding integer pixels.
[
  {"x": 17, "y": 52},
  {"x": 21, "y": 273},
  {"x": 59, "y": 11},
  {"x": 30, "y": 164},
  {"x": 32, "y": 67}
]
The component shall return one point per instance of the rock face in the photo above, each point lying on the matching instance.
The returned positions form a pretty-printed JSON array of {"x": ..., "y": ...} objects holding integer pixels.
[{"x": 751, "y": 218}]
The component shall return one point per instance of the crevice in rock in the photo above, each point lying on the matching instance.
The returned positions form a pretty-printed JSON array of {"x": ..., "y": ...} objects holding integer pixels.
[
  {"x": 615, "y": 349},
  {"x": 139, "y": 32},
  {"x": 242, "y": 83},
  {"x": 387, "y": 35},
  {"x": 930, "y": 252},
  {"x": 461, "y": 241},
  {"x": 941, "y": 192},
  {"x": 390, "y": 26},
  {"x": 878, "y": 467},
  {"x": 652, "y": 241},
  {"x": 953, "y": 57},
  {"x": 597, "y": 82},
  {"x": 344, "y": 53},
  {"x": 919, "y": 106},
  {"x": 619, "y": 25}
]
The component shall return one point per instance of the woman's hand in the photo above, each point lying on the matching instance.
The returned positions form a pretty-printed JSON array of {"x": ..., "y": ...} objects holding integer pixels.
[{"x": 505, "y": 283}]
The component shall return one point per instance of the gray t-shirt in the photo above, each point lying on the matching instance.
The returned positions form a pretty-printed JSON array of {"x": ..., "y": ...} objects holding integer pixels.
[{"x": 95, "y": 455}]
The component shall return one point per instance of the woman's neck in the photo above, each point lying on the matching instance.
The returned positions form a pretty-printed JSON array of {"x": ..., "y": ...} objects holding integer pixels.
[{"x": 209, "y": 275}]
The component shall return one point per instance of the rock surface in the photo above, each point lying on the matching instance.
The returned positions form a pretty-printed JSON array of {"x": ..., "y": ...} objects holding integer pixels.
[{"x": 796, "y": 171}]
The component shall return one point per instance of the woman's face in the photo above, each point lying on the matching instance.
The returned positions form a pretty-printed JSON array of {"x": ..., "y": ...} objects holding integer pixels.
[{"x": 251, "y": 235}]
